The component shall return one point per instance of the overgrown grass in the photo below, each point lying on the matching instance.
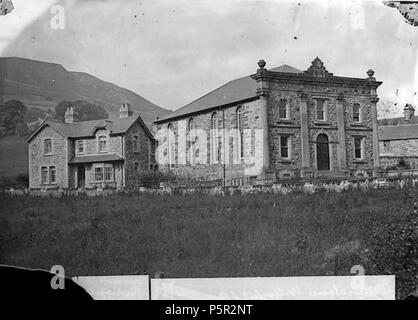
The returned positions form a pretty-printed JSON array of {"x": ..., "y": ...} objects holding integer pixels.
[{"x": 213, "y": 236}]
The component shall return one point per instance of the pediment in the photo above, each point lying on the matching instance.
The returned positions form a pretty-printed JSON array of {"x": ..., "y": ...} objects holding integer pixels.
[{"x": 317, "y": 69}]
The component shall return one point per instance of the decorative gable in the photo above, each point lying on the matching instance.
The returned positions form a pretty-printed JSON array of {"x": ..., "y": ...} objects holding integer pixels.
[
  {"x": 317, "y": 69},
  {"x": 105, "y": 124}
]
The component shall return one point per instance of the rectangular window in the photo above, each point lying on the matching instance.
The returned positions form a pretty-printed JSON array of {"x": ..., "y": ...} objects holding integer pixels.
[
  {"x": 102, "y": 143},
  {"x": 80, "y": 146},
  {"x": 52, "y": 175},
  {"x": 386, "y": 145},
  {"x": 358, "y": 147},
  {"x": 284, "y": 147},
  {"x": 47, "y": 146},
  {"x": 320, "y": 109},
  {"x": 44, "y": 175},
  {"x": 98, "y": 174},
  {"x": 109, "y": 173}
]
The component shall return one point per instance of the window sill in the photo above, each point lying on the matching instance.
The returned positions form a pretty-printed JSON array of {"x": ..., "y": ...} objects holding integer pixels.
[
  {"x": 285, "y": 121},
  {"x": 322, "y": 122},
  {"x": 103, "y": 183},
  {"x": 360, "y": 161},
  {"x": 357, "y": 124},
  {"x": 285, "y": 160}
]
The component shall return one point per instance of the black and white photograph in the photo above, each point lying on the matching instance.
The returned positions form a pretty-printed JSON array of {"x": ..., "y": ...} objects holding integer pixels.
[{"x": 227, "y": 151}]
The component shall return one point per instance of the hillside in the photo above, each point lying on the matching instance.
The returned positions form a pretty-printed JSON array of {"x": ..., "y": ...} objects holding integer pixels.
[{"x": 43, "y": 85}]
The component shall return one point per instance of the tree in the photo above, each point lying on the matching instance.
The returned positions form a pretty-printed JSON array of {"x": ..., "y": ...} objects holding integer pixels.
[
  {"x": 12, "y": 115},
  {"x": 83, "y": 110}
]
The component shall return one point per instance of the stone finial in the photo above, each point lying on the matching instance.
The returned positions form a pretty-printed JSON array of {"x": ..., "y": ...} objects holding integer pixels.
[
  {"x": 370, "y": 73},
  {"x": 261, "y": 63}
]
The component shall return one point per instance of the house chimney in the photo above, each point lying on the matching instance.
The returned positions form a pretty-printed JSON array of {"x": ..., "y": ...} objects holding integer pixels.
[
  {"x": 125, "y": 110},
  {"x": 409, "y": 112},
  {"x": 69, "y": 115}
]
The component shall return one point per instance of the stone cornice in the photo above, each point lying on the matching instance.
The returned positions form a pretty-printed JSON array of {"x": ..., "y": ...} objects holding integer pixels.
[{"x": 303, "y": 78}]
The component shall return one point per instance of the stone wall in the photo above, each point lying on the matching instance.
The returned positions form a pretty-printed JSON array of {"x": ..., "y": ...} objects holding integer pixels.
[
  {"x": 58, "y": 158},
  {"x": 292, "y": 93},
  {"x": 392, "y": 151},
  {"x": 91, "y": 145},
  {"x": 401, "y": 148},
  {"x": 202, "y": 166},
  {"x": 139, "y": 161},
  {"x": 300, "y": 94},
  {"x": 393, "y": 161}
]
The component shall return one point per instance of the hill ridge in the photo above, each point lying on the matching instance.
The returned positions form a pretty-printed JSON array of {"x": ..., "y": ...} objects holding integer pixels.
[{"x": 43, "y": 85}]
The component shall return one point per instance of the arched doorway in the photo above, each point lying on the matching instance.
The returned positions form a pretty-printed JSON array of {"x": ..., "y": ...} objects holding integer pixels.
[{"x": 322, "y": 152}]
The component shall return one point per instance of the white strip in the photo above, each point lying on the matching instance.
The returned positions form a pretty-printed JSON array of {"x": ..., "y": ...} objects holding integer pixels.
[
  {"x": 286, "y": 288},
  {"x": 115, "y": 287}
]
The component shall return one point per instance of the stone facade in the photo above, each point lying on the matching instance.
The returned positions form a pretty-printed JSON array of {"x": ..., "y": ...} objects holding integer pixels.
[
  {"x": 303, "y": 93},
  {"x": 207, "y": 169},
  {"x": 392, "y": 151},
  {"x": 398, "y": 139},
  {"x": 78, "y": 161},
  {"x": 58, "y": 158}
]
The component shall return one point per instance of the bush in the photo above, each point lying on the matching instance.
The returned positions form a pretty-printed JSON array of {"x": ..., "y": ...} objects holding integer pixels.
[
  {"x": 403, "y": 164},
  {"x": 150, "y": 179},
  {"x": 19, "y": 181}
]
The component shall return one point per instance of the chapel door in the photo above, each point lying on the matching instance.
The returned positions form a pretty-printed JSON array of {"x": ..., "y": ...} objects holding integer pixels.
[{"x": 322, "y": 152}]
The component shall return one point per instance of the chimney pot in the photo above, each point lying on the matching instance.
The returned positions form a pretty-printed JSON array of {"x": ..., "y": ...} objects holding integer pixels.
[
  {"x": 69, "y": 115},
  {"x": 409, "y": 112},
  {"x": 125, "y": 110}
]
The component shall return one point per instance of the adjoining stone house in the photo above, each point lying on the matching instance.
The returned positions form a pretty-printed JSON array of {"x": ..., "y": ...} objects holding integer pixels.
[
  {"x": 398, "y": 139},
  {"x": 285, "y": 123},
  {"x": 110, "y": 153}
]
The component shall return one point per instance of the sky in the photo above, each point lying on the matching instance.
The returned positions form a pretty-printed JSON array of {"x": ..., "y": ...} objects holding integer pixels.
[{"x": 172, "y": 52}]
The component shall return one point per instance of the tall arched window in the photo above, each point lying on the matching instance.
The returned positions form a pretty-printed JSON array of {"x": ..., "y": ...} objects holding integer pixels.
[
  {"x": 240, "y": 128},
  {"x": 283, "y": 112},
  {"x": 190, "y": 133},
  {"x": 356, "y": 112},
  {"x": 170, "y": 145},
  {"x": 214, "y": 138}
]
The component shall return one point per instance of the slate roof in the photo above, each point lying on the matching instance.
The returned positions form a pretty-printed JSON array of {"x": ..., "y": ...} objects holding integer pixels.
[
  {"x": 81, "y": 129},
  {"x": 398, "y": 132},
  {"x": 95, "y": 158},
  {"x": 397, "y": 120},
  {"x": 233, "y": 91}
]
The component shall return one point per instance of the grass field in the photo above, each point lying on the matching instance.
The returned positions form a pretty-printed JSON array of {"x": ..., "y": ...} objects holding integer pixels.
[{"x": 212, "y": 236}]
